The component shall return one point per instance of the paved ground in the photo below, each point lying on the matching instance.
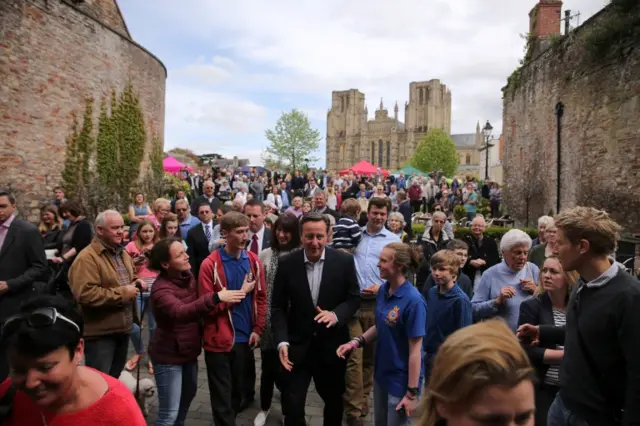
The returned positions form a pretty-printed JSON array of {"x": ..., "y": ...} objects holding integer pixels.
[{"x": 200, "y": 410}]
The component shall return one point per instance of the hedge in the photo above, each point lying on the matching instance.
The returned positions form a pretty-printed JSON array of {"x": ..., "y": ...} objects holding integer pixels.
[{"x": 493, "y": 231}]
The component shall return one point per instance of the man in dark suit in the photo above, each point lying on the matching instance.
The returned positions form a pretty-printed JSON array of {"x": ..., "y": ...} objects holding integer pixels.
[
  {"x": 320, "y": 205},
  {"x": 199, "y": 237},
  {"x": 207, "y": 198},
  {"x": 22, "y": 263},
  {"x": 315, "y": 294}
]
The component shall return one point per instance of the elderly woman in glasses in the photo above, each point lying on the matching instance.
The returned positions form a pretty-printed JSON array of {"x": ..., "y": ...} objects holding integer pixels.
[
  {"x": 47, "y": 385},
  {"x": 504, "y": 286}
]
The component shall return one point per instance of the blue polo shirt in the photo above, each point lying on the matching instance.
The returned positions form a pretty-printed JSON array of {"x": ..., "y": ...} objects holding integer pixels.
[
  {"x": 399, "y": 317},
  {"x": 235, "y": 270}
]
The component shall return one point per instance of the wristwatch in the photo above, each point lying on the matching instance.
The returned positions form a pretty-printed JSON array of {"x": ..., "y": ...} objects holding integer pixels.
[{"x": 413, "y": 391}]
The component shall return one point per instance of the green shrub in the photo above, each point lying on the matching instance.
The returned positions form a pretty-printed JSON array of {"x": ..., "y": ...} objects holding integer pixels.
[
  {"x": 459, "y": 213},
  {"x": 127, "y": 221},
  {"x": 483, "y": 207}
]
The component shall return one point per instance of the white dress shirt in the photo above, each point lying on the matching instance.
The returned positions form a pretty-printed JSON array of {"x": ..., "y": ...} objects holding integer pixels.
[
  {"x": 260, "y": 235},
  {"x": 275, "y": 199}
]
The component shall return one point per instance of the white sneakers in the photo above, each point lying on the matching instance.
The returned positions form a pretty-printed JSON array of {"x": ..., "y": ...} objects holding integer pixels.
[{"x": 261, "y": 418}]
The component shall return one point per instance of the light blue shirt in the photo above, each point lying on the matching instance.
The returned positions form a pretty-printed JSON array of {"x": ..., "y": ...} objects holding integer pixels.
[
  {"x": 187, "y": 224},
  {"x": 367, "y": 255},
  {"x": 492, "y": 282}
]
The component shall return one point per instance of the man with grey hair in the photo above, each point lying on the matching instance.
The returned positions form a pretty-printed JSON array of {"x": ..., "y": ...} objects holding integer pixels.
[
  {"x": 102, "y": 279},
  {"x": 504, "y": 286}
]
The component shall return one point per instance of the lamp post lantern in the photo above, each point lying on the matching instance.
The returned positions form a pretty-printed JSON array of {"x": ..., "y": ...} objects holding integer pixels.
[{"x": 486, "y": 131}]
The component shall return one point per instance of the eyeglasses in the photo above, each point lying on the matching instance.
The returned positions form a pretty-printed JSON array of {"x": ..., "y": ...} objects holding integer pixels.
[{"x": 39, "y": 318}]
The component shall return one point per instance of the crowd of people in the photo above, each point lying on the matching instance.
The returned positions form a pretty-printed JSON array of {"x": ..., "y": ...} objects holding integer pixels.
[{"x": 324, "y": 277}]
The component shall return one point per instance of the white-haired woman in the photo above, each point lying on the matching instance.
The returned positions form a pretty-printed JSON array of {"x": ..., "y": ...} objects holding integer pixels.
[
  {"x": 544, "y": 222},
  {"x": 396, "y": 224},
  {"x": 504, "y": 286}
]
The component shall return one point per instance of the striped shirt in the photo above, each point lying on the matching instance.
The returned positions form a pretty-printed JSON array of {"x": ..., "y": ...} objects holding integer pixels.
[
  {"x": 346, "y": 234},
  {"x": 553, "y": 373}
]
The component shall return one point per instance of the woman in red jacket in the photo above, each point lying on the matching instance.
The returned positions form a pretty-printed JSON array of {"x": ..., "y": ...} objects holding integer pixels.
[
  {"x": 47, "y": 385},
  {"x": 177, "y": 340}
]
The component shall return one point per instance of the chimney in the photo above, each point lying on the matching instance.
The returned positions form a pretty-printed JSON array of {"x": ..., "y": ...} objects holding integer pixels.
[{"x": 545, "y": 18}]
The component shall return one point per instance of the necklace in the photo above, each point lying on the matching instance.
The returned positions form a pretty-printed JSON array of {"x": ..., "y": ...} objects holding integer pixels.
[{"x": 44, "y": 420}]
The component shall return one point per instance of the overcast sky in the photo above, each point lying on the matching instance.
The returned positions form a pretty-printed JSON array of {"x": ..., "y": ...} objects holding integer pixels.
[{"x": 234, "y": 66}]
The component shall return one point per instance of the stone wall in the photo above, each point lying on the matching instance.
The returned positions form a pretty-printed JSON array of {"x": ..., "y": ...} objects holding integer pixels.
[
  {"x": 53, "y": 56},
  {"x": 600, "y": 128}
]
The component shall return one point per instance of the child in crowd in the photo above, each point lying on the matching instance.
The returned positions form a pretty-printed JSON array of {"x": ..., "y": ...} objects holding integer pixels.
[
  {"x": 461, "y": 249},
  {"x": 448, "y": 307},
  {"x": 347, "y": 233}
]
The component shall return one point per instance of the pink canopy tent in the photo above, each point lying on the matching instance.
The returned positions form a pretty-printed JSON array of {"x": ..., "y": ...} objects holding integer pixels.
[
  {"x": 364, "y": 168},
  {"x": 171, "y": 165}
]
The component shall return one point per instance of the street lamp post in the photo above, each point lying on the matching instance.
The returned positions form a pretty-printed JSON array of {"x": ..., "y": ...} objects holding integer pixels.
[{"x": 486, "y": 131}]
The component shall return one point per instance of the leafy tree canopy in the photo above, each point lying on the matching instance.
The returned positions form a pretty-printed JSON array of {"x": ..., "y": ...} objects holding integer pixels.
[
  {"x": 436, "y": 151},
  {"x": 292, "y": 141}
]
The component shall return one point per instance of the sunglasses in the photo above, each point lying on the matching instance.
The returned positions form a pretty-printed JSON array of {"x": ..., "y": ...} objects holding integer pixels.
[{"x": 39, "y": 318}]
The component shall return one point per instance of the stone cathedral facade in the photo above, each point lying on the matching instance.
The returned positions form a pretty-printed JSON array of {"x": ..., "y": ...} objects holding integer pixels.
[{"x": 384, "y": 141}]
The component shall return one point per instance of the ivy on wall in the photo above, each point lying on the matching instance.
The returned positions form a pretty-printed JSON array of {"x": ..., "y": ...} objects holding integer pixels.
[{"x": 102, "y": 171}]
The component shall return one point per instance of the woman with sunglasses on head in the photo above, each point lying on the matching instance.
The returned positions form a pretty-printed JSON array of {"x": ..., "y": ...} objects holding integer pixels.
[{"x": 47, "y": 385}]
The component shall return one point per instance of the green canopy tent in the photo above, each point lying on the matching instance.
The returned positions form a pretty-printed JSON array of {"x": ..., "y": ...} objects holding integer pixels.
[{"x": 409, "y": 171}]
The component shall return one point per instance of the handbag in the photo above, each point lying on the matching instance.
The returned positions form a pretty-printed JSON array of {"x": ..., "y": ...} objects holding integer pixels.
[{"x": 616, "y": 413}]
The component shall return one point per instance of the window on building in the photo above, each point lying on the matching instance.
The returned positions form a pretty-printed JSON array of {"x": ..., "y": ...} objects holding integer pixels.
[
  {"x": 421, "y": 95},
  {"x": 373, "y": 153},
  {"x": 468, "y": 159},
  {"x": 380, "y": 153},
  {"x": 388, "y": 155}
]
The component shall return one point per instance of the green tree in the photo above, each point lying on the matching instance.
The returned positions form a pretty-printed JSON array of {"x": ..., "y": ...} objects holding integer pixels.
[
  {"x": 106, "y": 149},
  {"x": 292, "y": 140},
  {"x": 71, "y": 170},
  {"x": 436, "y": 151},
  {"x": 86, "y": 142},
  {"x": 156, "y": 158},
  {"x": 132, "y": 137}
]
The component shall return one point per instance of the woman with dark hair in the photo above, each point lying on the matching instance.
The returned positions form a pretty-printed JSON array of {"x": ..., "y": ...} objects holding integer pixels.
[
  {"x": 47, "y": 385},
  {"x": 170, "y": 227},
  {"x": 177, "y": 340},
  {"x": 285, "y": 237},
  {"x": 77, "y": 236}
]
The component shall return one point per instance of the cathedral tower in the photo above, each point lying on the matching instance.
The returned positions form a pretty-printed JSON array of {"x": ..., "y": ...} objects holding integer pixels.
[
  {"x": 345, "y": 122},
  {"x": 429, "y": 107}
]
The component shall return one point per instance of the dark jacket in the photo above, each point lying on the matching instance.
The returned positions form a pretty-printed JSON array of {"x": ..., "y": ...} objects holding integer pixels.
[
  {"x": 405, "y": 209},
  {"x": 52, "y": 238},
  {"x": 463, "y": 281},
  {"x": 537, "y": 311},
  {"x": 82, "y": 235},
  {"x": 487, "y": 250},
  {"x": 215, "y": 205},
  {"x": 177, "y": 309},
  {"x": 23, "y": 265},
  {"x": 293, "y": 311}
]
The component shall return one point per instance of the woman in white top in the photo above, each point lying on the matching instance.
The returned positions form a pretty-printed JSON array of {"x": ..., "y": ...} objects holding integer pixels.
[
  {"x": 275, "y": 197},
  {"x": 332, "y": 200}
]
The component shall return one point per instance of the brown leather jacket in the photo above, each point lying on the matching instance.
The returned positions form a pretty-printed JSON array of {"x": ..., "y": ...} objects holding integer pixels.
[{"x": 93, "y": 279}]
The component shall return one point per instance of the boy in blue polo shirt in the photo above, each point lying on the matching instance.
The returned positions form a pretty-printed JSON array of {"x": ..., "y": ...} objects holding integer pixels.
[{"x": 448, "y": 307}]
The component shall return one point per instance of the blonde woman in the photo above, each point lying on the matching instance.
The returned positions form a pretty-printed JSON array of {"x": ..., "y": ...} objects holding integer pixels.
[
  {"x": 332, "y": 199},
  {"x": 548, "y": 306},
  {"x": 480, "y": 376},
  {"x": 50, "y": 227}
]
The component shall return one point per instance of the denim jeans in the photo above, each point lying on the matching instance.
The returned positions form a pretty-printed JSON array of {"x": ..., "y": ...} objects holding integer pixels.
[
  {"x": 384, "y": 409},
  {"x": 107, "y": 354},
  {"x": 177, "y": 386},
  {"x": 136, "y": 334},
  {"x": 559, "y": 415}
]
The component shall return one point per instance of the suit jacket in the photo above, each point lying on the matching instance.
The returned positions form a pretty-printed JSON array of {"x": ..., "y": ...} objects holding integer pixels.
[
  {"x": 333, "y": 213},
  {"x": 22, "y": 264},
  {"x": 197, "y": 247},
  {"x": 293, "y": 311},
  {"x": 537, "y": 311},
  {"x": 487, "y": 251},
  {"x": 266, "y": 240},
  {"x": 215, "y": 205}
]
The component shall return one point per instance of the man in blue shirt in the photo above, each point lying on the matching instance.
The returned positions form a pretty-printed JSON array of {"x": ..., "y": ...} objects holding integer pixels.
[
  {"x": 448, "y": 307},
  {"x": 367, "y": 254}
]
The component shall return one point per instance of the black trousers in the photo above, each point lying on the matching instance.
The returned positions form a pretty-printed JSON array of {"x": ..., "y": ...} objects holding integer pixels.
[
  {"x": 270, "y": 376},
  {"x": 225, "y": 376},
  {"x": 4, "y": 366},
  {"x": 249, "y": 382},
  {"x": 544, "y": 394},
  {"x": 329, "y": 379},
  {"x": 107, "y": 354}
]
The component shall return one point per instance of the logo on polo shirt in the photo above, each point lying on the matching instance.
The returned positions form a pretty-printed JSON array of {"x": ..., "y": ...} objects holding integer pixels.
[{"x": 392, "y": 316}]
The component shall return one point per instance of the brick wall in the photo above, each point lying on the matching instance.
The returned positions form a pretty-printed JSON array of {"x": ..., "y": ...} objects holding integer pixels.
[
  {"x": 600, "y": 132},
  {"x": 52, "y": 57},
  {"x": 105, "y": 11}
]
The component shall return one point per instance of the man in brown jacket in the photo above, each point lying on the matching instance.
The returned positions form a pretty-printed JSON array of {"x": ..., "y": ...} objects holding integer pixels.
[{"x": 102, "y": 278}]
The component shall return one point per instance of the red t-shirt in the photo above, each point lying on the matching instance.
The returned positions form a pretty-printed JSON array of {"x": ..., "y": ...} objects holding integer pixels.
[{"x": 116, "y": 407}]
